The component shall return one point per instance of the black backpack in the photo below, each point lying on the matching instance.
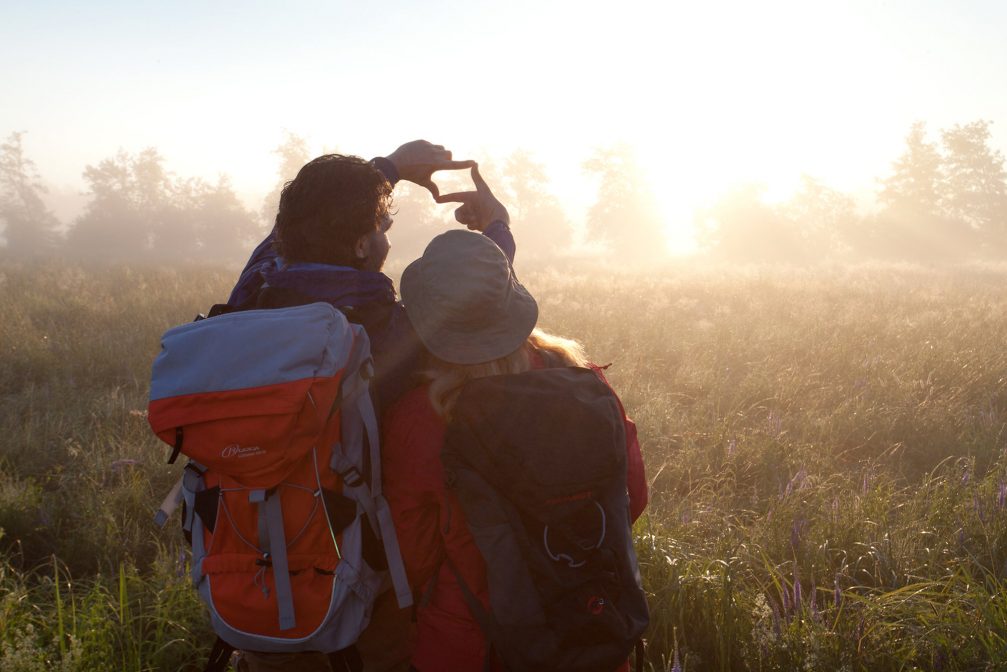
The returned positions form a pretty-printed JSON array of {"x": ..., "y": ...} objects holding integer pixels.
[{"x": 538, "y": 463}]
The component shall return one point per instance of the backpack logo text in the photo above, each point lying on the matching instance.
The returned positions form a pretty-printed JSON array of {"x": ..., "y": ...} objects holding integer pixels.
[{"x": 234, "y": 450}]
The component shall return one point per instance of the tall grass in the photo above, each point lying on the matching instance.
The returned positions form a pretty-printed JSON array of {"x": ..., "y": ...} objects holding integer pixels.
[{"x": 826, "y": 455}]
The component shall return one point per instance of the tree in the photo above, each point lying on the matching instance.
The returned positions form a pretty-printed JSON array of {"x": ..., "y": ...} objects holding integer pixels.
[
  {"x": 224, "y": 227},
  {"x": 30, "y": 228},
  {"x": 916, "y": 185},
  {"x": 129, "y": 208},
  {"x": 293, "y": 153},
  {"x": 536, "y": 213},
  {"x": 626, "y": 216},
  {"x": 742, "y": 228},
  {"x": 914, "y": 222},
  {"x": 418, "y": 219},
  {"x": 826, "y": 219},
  {"x": 976, "y": 181},
  {"x": 140, "y": 211}
]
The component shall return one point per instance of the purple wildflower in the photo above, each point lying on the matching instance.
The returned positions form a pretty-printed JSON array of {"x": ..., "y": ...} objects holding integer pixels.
[
  {"x": 797, "y": 588},
  {"x": 776, "y": 617},
  {"x": 786, "y": 603},
  {"x": 797, "y": 530},
  {"x": 967, "y": 476},
  {"x": 837, "y": 594},
  {"x": 796, "y": 483},
  {"x": 1002, "y": 495}
]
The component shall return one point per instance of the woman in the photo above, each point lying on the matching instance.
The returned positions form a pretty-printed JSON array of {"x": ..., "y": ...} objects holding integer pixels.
[{"x": 476, "y": 321}]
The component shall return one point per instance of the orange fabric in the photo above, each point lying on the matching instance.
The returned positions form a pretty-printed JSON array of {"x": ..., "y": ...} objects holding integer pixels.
[
  {"x": 247, "y": 600},
  {"x": 254, "y": 434},
  {"x": 237, "y": 582}
]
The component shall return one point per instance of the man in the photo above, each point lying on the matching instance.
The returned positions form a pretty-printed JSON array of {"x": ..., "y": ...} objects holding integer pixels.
[{"x": 329, "y": 243}]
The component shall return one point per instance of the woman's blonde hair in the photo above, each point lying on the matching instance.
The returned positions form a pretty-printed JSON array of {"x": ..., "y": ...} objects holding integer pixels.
[{"x": 447, "y": 379}]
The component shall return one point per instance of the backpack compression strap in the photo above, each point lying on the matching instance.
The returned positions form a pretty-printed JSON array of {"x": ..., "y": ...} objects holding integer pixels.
[
  {"x": 360, "y": 425},
  {"x": 274, "y": 549}
]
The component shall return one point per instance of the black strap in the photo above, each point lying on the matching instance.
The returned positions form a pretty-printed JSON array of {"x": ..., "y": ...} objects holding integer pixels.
[
  {"x": 177, "y": 448},
  {"x": 478, "y": 612},
  {"x": 639, "y": 655},
  {"x": 220, "y": 309},
  {"x": 346, "y": 660},
  {"x": 220, "y": 656},
  {"x": 206, "y": 504}
]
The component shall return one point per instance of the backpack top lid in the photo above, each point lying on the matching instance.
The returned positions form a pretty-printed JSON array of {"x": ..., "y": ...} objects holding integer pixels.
[
  {"x": 541, "y": 433},
  {"x": 251, "y": 348},
  {"x": 250, "y": 392}
]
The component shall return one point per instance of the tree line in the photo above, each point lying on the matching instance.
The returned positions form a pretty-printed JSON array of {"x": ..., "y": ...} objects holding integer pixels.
[
  {"x": 136, "y": 211},
  {"x": 943, "y": 200}
]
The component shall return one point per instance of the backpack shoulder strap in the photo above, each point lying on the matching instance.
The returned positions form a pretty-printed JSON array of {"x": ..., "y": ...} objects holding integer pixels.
[{"x": 360, "y": 435}]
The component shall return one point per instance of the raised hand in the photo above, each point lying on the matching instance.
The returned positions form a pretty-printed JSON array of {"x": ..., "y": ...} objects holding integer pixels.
[
  {"x": 418, "y": 160},
  {"x": 478, "y": 208}
]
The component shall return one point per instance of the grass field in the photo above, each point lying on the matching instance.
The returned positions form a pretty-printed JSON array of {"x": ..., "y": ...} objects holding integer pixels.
[{"x": 826, "y": 452}]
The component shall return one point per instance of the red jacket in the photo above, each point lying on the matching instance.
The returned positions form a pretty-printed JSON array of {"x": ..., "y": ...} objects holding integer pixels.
[{"x": 430, "y": 526}]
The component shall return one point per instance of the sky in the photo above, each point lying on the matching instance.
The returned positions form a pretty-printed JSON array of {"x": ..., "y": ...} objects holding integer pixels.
[{"x": 707, "y": 94}]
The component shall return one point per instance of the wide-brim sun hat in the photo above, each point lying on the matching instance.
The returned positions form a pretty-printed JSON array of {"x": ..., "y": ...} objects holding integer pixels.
[{"x": 464, "y": 301}]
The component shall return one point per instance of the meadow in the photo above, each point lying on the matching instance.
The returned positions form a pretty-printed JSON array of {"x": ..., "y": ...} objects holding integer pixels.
[{"x": 826, "y": 451}]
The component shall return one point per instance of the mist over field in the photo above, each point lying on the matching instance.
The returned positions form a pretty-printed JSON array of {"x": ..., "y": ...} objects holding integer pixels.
[{"x": 943, "y": 200}]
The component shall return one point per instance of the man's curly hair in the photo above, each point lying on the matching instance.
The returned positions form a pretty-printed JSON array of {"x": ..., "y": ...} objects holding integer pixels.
[{"x": 333, "y": 201}]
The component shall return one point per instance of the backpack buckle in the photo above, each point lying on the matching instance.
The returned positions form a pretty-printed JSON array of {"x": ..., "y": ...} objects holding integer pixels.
[{"x": 351, "y": 477}]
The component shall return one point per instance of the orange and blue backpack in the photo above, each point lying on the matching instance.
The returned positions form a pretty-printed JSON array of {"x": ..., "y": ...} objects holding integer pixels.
[{"x": 281, "y": 494}]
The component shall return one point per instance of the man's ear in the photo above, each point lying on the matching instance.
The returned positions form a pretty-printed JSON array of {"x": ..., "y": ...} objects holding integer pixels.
[{"x": 362, "y": 248}]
